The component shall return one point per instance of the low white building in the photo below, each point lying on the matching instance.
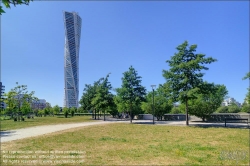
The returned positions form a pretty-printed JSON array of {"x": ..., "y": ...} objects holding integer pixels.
[{"x": 230, "y": 101}]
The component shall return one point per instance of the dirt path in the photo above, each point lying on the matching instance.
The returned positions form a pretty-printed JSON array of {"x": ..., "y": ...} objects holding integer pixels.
[{"x": 11, "y": 135}]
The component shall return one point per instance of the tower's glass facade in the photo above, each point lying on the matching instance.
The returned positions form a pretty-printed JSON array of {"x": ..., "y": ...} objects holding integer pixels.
[{"x": 72, "y": 24}]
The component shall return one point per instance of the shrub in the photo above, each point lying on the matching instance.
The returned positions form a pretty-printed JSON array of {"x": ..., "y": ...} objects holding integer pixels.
[
  {"x": 176, "y": 110},
  {"x": 72, "y": 113},
  {"x": 222, "y": 109},
  {"x": 40, "y": 113},
  {"x": 66, "y": 112},
  {"x": 234, "y": 109},
  {"x": 246, "y": 108}
]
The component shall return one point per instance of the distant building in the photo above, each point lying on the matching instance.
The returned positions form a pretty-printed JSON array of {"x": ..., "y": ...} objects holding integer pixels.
[
  {"x": 230, "y": 101},
  {"x": 2, "y": 88},
  {"x": 72, "y": 24},
  {"x": 176, "y": 104},
  {"x": 35, "y": 104},
  {"x": 38, "y": 104}
]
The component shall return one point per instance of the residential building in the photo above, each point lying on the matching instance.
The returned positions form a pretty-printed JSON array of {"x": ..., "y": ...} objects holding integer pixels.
[
  {"x": 2, "y": 88},
  {"x": 38, "y": 104},
  {"x": 72, "y": 24},
  {"x": 230, "y": 101}
]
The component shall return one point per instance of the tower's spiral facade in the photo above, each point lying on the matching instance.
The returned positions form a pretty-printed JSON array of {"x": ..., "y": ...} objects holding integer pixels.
[{"x": 72, "y": 24}]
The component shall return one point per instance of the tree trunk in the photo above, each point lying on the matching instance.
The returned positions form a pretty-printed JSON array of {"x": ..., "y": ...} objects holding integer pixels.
[
  {"x": 187, "y": 112},
  {"x": 130, "y": 113},
  {"x": 104, "y": 115},
  {"x": 95, "y": 113}
]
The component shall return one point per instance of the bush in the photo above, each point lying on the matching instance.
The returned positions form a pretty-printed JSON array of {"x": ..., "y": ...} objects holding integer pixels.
[
  {"x": 66, "y": 112},
  {"x": 176, "y": 110},
  {"x": 85, "y": 111},
  {"x": 222, "y": 109},
  {"x": 72, "y": 113},
  {"x": 234, "y": 109},
  {"x": 40, "y": 113},
  {"x": 246, "y": 108}
]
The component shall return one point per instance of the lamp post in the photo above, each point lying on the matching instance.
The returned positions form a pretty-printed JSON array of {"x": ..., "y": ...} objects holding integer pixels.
[
  {"x": 153, "y": 103},
  {"x": 104, "y": 109}
]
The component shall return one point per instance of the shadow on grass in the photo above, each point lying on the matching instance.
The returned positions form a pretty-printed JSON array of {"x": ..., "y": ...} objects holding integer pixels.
[
  {"x": 6, "y": 133},
  {"x": 239, "y": 126},
  {"x": 64, "y": 117}
]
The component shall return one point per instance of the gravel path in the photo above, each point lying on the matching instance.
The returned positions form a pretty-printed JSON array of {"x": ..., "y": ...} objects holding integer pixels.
[{"x": 11, "y": 135}]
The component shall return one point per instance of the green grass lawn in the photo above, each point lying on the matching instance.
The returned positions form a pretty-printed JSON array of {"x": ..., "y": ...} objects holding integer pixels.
[
  {"x": 38, "y": 121},
  {"x": 134, "y": 144}
]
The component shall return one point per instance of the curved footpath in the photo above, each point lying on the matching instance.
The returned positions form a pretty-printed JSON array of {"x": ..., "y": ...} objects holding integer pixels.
[{"x": 12, "y": 135}]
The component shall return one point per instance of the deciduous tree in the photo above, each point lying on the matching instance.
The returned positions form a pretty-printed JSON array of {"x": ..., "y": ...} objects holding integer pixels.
[
  {"x": 207, "y": 103},
  {"x": 162, "y": 103},
  {"x": 7, "y": 4},
  {"x": 132, "y": 92},
  {"x": 103, "y": 98},
  {"x": 184, "y": 76}
]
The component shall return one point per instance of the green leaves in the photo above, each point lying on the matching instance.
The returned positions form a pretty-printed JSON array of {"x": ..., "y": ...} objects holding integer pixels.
[
  {"x": 14, "y": 2},
  {"x": 131, "y": 91},
  {"x": 97, "y": 96},
  {"x": 18, "y": 97},
  {"x": 131, "y": 94},
  {"x": 184, "y": 76},
  {"x": 208, "y": 100},
  {"x": 162, "y": 103},
  {"x": 247, "y": 76}
]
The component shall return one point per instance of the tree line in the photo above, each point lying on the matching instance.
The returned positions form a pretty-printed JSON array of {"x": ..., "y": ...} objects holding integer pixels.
[{"x": 184, "y": 85}]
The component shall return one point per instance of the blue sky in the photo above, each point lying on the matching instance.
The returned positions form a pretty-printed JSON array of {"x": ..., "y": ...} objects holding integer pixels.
[{"x": 115, "y": 35}]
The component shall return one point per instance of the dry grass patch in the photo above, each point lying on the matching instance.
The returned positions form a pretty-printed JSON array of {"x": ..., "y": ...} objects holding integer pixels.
[{"x": 132, "y": 144}]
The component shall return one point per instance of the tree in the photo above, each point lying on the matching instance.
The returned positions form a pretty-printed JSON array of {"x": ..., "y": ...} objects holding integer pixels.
[
  {"x": 247, "y": 99},
  {"x": 56, "y": 109},
  {"x": 245, "y": 108},
  {"x": 112, "y": 108},
  {"x": 176, "y": 110},
  {"x": 17, "y": 97},
  {"x": 14, "y": 2},
  {"x": 66, "y": 111},
  {"x": 131, "y": 93},
  {"x": 9, "y": 99},
  {"x": 247, "y": 76},
  {"x": 162, "y": 103},
  {"x": 207, "y": 103},
  {"x": 25, "y": 108},
  {"x": 103, "y": 97},
  {"x": 88, "y": 95},
  {"x": 73, "y": 111},
  {"x": 184, "y": 77}
]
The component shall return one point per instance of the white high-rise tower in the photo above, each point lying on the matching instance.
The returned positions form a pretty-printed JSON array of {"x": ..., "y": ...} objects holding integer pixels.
[{"x": 72, "y": 24}]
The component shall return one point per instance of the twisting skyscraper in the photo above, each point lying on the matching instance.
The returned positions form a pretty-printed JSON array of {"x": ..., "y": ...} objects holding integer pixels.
[{"x": 72, "y": 24}]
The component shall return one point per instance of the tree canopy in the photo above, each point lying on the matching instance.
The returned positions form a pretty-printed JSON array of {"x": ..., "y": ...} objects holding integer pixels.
[
  {"x": 103, "y": 98},
  {"x": 97, "y": 97},
  {"x": 7, "y": 4},
  {"x": 162, "y": 103},
  {"x": 184, "y": 78},
  {"x": 207, "y": 103},
  {"x": 131, "y": 93},
  {"x": 19, "y": 100}
]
